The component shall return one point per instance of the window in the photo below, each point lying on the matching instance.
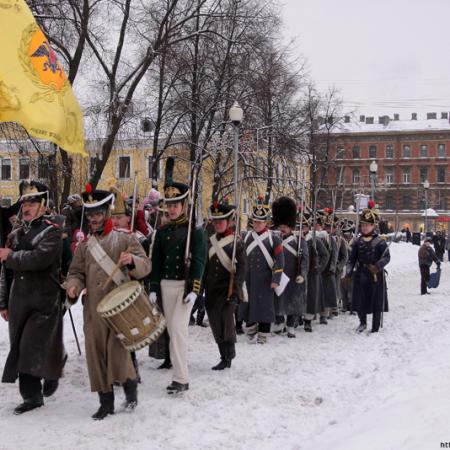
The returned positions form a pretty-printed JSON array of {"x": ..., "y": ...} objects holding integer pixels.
[
  {"x": 442, "y": 204},
  {"x": 389, "y": 175},
  {"x": 124, "y": 166},
  {"x": 355, "y": 176},
  {"x": 43, "y": 167},
  {"x": 406, "y": 176},
  {"x": 441, "y": 174},
  {"x": 389, "y": 202},
  {"x": 389, "y": 151},
  {"x": 423, "y": 171},
  {"x": 406, "y": 151},
  {"x": 6, "y": 169},
  {"x": 24, "y": 168},
  {"x": 355, "y": 152},
  {"x": 152, "y": 166},
  {"x": 441, "y": 150},
  {"x": 406, "y": 202},
  {"x": 340, "y": 153},
  {"x": 423, "y": 151},
  {"x": 373, "y": 152}
]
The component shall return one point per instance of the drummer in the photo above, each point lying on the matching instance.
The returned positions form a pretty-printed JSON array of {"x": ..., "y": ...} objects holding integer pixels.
[{"x": 108, "y": 361}]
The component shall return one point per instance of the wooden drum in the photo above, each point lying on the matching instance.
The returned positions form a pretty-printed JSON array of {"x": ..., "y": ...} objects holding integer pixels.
[{"x": 129, "y": 313}]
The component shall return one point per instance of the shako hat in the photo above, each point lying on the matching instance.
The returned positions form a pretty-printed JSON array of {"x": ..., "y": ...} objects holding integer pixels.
[
  {"x": 261, "y": 210},
  {"x": 370, "y": 214},
  {"x": 221, "y": 210},
  {"x": 33, "y": 191},
  {"x": 97, "y": 199},
  {"x": 173, "y": 190}
]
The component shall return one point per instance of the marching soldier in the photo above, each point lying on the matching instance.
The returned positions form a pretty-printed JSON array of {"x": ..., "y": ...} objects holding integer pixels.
[
  {"x": 347, "y": 228},
  {"x": 94, "y": 261},
  {"x": 265, "y": 268},
  {"x": 32, "y": 304},
  {"x": 223, "y": 281},
  {"x": 318, "y": 260},
  {"x": 369, "y": 256},
  {"x": 292, "y": 301},
  {"x": 342, "y": 256},
  {"x": 170, "y": 279}
]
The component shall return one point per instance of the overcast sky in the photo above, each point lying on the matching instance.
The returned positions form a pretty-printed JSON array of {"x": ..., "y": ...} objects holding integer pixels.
[{"x": 384, "y": 56}]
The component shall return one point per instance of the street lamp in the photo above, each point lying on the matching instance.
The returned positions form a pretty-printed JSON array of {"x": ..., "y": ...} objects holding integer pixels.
[
  {"x": 373, "y": 168},
  {"x": 426, "y": 186},
  {"x": 236, "y": 115}
]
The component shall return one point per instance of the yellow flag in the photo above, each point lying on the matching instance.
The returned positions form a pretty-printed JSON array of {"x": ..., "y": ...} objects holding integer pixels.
[{"x": 34, "y": 90}]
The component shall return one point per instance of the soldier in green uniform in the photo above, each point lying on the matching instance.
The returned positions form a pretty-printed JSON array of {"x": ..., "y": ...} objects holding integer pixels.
[
  {"x": 220, "y": 306},
  {"x": 177, "y": 285}
]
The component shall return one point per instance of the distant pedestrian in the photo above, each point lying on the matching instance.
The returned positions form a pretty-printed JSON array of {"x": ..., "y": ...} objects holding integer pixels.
[
  {"x": 426, "y": 257},
  {"x": 408, "y": 234},
  {"x": 447, "y": 246}
]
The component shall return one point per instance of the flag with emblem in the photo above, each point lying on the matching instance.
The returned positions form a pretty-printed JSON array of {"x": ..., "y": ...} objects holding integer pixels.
[{"x": 34, "y": 90}]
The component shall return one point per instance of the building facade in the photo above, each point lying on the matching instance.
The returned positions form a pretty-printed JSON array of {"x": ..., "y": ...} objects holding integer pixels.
[{"x": 403, "y": 164}]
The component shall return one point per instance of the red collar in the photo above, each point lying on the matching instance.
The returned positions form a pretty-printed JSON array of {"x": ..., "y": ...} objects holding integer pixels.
[
  {"x": 263, "y": 231},
  {"x": 107, "y": 227}
]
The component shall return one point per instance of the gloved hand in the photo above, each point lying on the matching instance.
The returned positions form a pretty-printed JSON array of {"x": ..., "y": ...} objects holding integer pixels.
[
  {"x": 152, "y": 297},
  {"x": 373, "y": 269},
  {"x": 67, "y": 304},
  {"x": 191, "y": 297},
  {"x": 299, "y": 279}
]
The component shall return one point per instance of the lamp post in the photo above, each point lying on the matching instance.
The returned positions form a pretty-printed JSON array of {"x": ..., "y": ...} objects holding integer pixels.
[
  {"x": 373, "y": 168},
  {"x": 236, "y": 114},
  {"x": 426, "y": 186}
]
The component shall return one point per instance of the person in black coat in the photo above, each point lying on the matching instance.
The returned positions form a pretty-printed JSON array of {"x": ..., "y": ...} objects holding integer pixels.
[
  {"x": 369, "y": 256},
  {"x": 426, "y": 258}
]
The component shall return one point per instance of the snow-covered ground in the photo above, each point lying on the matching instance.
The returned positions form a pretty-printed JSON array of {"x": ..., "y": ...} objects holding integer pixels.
[{"x": 327, "y": 389}]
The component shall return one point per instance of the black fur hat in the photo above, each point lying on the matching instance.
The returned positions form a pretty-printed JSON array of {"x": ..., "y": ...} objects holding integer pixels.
[{"x": 284, "y": 212}]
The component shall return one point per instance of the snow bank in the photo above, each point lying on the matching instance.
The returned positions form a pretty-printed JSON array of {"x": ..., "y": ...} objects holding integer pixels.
[{"x": 327, "y": 389}]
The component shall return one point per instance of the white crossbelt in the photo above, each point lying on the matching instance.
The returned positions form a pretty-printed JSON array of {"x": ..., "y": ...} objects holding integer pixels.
[
  {"x": 288, "y": 247},
  {"x": 258, "y": 242},
  {"x": 217, "y": 249},
  {"x": 104, "y": 261}
]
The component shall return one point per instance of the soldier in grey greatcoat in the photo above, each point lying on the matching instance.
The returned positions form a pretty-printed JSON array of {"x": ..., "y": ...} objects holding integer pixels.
[
  {"x": 32, "y": 304},
  {"x": 265, "y": 268},
  {"x": 292, "y": 302},
  {"x": 318, "y": 260},
  {"x": 342, "y": 251},
  {"x": 328, "y": 293},
  {"x": 347, "y": 228}
]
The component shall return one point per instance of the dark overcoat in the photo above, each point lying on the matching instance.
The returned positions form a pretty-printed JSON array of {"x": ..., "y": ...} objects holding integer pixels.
[
  {"x": 369, "y": 294},
  {"x": 318, "y": 260},
  {"x": 260, "y": 306},
  {"x": 328, "y": 291},
  {"x": 217, "y": 279},
  {"x": 34, "y": 304},
  {"x": 293, "y": 299}
]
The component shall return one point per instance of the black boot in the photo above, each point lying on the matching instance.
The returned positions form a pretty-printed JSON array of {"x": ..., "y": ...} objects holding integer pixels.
[
  {"x": 130, "y": 389},
  {"x": 167, "y": 364},
  {"x": 25, "y": 407},
  {"x": 361, "y": 328},
  {"x": 136, "y": 366},
  {"x": 308, "y": 326},
  {"x": 323, "y": 320},
  {"x": 106, "y": 405},
  {"x": 30, "y": 388},
  {"x": 222, "y": 364},
  {"x": 200, "y": 317},
  {"x": 50, "y": 387},
  {"x": 177, "y": 388},
  {"x": 230, "y": 353}
]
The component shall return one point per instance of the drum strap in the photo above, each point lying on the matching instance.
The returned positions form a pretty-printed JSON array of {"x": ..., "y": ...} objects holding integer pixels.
[{"x": 104, "y": 261}]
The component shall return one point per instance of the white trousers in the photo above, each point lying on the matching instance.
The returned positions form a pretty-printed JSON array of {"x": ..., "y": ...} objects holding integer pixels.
[{"x": 177, "y": 316}]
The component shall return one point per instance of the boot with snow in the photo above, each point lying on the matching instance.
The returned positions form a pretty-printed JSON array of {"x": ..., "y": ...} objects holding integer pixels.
[
  {"x": 308, "y": 326},
  {"x": 323, "y": 320},
  {"x": 361, "y": 328},
  {"x": 290, "y": 332},
  {"x": 167, "y": 364},
  {"x": 130, "y": 389},
  {"x": 222, "y": 364},
  {"x": 25, "y": 407},
  {"x": 251, "y": 331},
  {"x": 177, "y": 388},
  {"x": 262, "y": 338},
  {"x": 106, "y": 405}
]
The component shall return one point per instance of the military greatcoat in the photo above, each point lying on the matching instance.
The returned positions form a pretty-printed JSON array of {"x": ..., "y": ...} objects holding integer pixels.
[{"x": 108, "y": 360}]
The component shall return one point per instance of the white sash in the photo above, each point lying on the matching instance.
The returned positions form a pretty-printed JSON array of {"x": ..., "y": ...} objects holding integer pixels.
[
  {"x": 104, "y": 261},
  {"x": 217, "y": 249},
  {"x": 258, "y": 241},
  {"x": 288, "y": 247}
]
